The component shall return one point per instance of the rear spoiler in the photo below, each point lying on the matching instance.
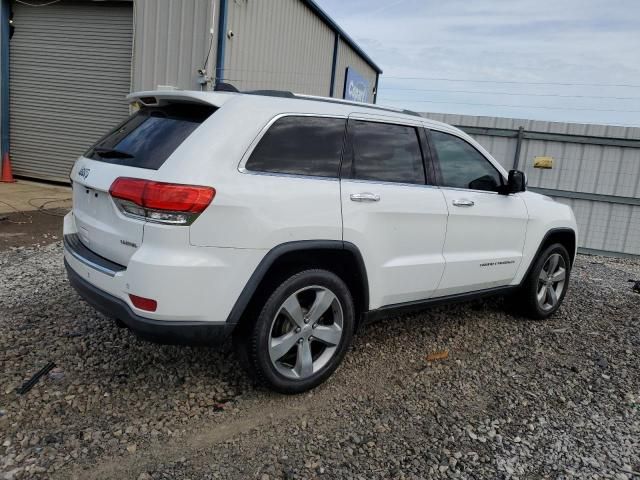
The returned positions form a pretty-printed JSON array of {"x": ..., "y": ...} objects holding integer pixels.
[{"x": 156, "y": 98}]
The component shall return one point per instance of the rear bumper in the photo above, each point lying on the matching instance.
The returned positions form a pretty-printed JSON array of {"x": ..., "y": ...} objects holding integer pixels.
[
  {"x": 192, "y": 285},
  {"x": 159, "y": 331}
]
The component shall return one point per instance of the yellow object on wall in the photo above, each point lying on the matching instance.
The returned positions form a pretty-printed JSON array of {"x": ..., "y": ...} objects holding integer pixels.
[{"x": 543, "y": 162}]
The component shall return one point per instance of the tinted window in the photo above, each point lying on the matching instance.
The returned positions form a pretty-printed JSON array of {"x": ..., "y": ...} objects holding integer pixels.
[
  {"x": 385, "y": 152},
  {"x": 149, "y": 136},
  {"x": 462, "y": 166},
  {"x": 300, "y": 146}
]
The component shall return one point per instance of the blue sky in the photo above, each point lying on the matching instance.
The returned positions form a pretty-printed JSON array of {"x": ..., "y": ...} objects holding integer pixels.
[{"x": 565, "y": 60}]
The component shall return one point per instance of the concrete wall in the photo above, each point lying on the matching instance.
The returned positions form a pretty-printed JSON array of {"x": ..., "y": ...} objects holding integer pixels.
[{"x": 600, "y": 182}]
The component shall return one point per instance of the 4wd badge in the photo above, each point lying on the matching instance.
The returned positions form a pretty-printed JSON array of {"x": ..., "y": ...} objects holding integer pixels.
[{"x": 84, "y": 172}]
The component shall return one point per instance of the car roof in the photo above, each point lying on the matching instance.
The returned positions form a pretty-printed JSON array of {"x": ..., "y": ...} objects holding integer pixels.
[{"x": 282, "y": 102}]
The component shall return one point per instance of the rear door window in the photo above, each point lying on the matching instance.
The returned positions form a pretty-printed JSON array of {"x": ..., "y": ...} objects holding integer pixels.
[
  {"x": 150, "y": 136},
  {"x": 300, "y": 145},
  {"x": 384, "y": 152}
]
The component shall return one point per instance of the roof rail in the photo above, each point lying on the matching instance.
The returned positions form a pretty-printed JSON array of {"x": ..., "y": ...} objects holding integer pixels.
[
  {"x": 372, "y": 106},
  {"x": 224, "y": 87},
  {"x": 271, "y": 93},
  {"x": 227, "y": 87},
  {"x": 410, "y": 112}
]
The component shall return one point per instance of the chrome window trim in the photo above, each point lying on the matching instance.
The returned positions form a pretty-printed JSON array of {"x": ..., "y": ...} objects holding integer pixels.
[
  {"x": 459, "y": 189},
  {"x": 289, "y": 175},
  {"x": 382, "y": 182},
  {"x": 373, "y": 117}
]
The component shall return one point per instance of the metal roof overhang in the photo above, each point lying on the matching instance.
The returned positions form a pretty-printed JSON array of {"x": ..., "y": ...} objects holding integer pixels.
[{"x": 337, "y": 29}]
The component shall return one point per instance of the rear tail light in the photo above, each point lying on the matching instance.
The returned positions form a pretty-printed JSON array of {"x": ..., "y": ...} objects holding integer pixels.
[
  {"x": 160, "y": 202},
  {"x": 143, "y": 303}
]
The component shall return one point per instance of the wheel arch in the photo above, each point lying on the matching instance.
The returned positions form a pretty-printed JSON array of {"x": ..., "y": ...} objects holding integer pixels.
[
  {"x": 564, "y": 236},
  {"x": 342, "y": 258}
]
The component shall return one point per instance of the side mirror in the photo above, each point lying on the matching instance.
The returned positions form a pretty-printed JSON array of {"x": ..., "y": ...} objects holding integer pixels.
[{"x": 517, "y": 182}]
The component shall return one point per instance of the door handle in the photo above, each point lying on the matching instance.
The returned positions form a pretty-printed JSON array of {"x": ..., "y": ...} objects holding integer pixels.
[
  {"x": 364, "y": 197},
  {"x": 463, "y": 203}
]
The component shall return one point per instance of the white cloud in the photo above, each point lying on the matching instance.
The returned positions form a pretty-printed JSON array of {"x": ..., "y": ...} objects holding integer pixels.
[{"x": 568, "y": 41}]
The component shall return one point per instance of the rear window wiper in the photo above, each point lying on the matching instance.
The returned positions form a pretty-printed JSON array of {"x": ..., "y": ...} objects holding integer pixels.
[{"x": 111, "y": 153}]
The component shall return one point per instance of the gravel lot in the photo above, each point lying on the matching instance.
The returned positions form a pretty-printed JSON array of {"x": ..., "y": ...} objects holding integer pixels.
[{"x": 514, "y": 398}]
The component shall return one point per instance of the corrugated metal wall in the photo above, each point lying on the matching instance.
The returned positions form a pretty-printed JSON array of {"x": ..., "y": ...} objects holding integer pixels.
[
  {"x": 69, "y": 74},
  {"x": 347, "y": 57},
  {"x": 278, "y": 44},
  {"x": 604, "y": 180},
  {"x": 172, "y": 38}
]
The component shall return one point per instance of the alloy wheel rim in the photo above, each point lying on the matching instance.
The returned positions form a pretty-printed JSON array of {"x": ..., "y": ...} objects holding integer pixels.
[
  {"x": 305, "y": 332},
  {"x": 551, "y": 281}
]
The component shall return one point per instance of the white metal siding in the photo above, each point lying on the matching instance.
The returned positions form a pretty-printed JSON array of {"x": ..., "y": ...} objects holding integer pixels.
[
  {"x": 172, "y": 39},
  {"x": 278, "y": 44},
  {"x": 582, "y": 168},
  {"x": 69, "y": 74},
  {"x": 347, "y": 57}
]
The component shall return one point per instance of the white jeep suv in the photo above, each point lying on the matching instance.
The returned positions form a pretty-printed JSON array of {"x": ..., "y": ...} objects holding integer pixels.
[{"x": 287, "y": 221}]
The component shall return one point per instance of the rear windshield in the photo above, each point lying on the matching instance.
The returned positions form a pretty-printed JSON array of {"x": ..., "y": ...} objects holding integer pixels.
[{"x": 148, "y": 137}]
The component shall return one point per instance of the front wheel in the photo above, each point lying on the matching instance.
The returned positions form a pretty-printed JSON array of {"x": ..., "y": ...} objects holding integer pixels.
[
  {"x": 546, "y": 285},
  {"x": 302, "y": 333}
]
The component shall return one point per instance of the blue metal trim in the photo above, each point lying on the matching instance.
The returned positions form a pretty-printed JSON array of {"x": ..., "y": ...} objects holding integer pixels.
[
  {"x": 334, "y": 63},
  {"x": 222, "y": 34},
  {"x": 4, "y": 74},
  {"x": 336, "y": 28},
  {"x": 344, "y": 84}
]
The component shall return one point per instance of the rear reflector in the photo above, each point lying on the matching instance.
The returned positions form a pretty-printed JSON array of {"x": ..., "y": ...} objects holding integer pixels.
[
  {"x": 161, "y": 202},
  {"x": 143, "y": 303}
]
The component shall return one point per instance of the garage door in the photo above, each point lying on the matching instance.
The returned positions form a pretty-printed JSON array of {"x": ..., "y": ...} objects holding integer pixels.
[{"x": 70, "y": 69}]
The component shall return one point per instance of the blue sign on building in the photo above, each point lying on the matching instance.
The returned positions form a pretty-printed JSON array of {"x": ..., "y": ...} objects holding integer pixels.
[{"x": 356, "y": 87}]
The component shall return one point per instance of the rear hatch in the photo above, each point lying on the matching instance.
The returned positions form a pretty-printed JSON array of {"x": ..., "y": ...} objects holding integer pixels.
[{"x": 136, "y": 148}]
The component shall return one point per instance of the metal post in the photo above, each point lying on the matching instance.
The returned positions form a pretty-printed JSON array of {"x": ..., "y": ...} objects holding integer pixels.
[
  {"x": 334, "y": 64},
  {"x": 4, "y": 75},
  {"x": 222, "y": 33},
  {"x": 375, "y": 88},
  {"x": 516, "y": 157}
]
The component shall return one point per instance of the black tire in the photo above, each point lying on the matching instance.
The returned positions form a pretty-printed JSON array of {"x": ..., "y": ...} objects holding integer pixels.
[
  {"x": 526, "y": 301},
  {"x": 258, "y": 335}
]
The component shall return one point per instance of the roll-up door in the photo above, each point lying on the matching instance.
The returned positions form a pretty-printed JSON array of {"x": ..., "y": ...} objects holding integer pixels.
[{"x": 70, "y": 69}]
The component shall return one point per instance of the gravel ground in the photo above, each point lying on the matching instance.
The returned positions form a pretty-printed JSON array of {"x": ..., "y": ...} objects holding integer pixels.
[
  {"x": 37, "y": 228},
  {"x": 514, "y": 398}
]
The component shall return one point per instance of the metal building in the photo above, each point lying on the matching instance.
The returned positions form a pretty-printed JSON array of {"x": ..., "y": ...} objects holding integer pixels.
[
  {"x": 595, "y": 170},
  {"x": 72, "y": 62}
]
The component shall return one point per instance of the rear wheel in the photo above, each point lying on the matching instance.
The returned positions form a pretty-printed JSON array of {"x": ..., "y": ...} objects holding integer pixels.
[
  {"x": 302, "y": 333},
  {"x": 546, "y": 285}
]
